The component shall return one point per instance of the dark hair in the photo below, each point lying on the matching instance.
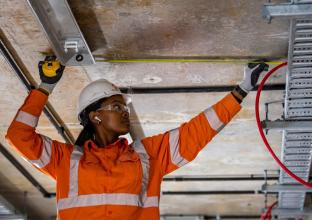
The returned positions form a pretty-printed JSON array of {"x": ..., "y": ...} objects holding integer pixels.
[{"x": 88, "y": 128}]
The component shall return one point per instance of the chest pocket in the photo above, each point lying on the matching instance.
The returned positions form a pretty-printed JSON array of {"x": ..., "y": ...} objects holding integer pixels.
[
  {"x": 122, "y": 175},
  {"x": 127, "y": 174}
]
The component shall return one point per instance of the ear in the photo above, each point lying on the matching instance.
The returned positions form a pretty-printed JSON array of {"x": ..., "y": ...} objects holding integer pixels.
[{"x": 92, "y": 116}]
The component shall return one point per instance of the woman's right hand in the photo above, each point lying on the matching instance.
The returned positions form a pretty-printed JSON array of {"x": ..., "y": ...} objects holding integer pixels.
[{"x": 51, "y": 71}]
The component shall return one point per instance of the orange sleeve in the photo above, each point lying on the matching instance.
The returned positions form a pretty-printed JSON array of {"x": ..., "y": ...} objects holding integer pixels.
[
  {"x": 177, "y": 147},
  {"x": 39, "y": 150}
]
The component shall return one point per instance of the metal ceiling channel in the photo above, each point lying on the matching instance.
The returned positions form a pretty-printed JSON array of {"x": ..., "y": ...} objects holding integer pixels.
[{"x": 61, "y": 28}]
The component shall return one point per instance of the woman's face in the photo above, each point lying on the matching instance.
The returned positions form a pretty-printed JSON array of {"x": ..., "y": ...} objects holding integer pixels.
[{"x": 113, "y": 115}]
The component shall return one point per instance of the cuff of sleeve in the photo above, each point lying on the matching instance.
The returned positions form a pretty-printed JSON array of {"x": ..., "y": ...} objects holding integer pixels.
[
  {"x": 231, "y": 104},
  {"x": 35, "y": 102}
]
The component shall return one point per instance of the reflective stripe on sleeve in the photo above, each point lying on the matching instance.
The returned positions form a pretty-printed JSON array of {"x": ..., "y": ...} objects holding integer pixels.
[
  {"x": 144, "y": 158},
  {"x": 174, "y": 142},
  {"x": 45, "y": 156},
  {"x": 213, "y": 119},
  {"x": 27, "y": 119},
  {"x": 106, "y": 199},
  {"x": 74, "y": 166}
]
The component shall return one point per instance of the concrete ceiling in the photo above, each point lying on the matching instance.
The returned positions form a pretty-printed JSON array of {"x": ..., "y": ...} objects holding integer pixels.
[{"x": 145, "y": 28}]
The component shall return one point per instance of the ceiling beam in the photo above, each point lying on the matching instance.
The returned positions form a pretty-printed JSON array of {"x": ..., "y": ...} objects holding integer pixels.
[{"x": 197, "y": 89}]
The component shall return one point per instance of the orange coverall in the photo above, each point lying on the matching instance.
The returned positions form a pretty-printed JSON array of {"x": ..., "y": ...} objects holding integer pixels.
[{"x": 119, "y": 181}]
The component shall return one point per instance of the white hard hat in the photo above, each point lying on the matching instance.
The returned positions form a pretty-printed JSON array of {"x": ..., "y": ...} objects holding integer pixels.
[{"x": 97, "y": 90}]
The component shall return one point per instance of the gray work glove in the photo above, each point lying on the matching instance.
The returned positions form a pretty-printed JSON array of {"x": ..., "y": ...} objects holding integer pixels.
[
  {"x": 252, "y": 72},
  {"x": 51, "y": 71}
]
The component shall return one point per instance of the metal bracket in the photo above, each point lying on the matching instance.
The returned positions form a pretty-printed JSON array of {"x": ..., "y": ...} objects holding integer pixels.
[
  {"x": 71, "y": 44},
  {"x": 285, "y": 188},
  {"x": 300, "y": 1},
  {"x": 294, "y": 9},
  {"x": 291, "y": 213},
  {"x": 62, "y": 30},
  {"x": 287, "y": 125}
]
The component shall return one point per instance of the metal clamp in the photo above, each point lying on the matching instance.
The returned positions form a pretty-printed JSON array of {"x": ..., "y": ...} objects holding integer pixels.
[{"x": 71, "y": 44}]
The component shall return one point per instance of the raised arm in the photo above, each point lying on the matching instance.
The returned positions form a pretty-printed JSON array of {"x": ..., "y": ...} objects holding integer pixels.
[
  {"x": 39, "y": 150},
  {"x": 177, "y": 147}
]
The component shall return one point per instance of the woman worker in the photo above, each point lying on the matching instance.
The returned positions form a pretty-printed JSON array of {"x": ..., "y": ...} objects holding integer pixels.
[{"x": 102, "y": 176}]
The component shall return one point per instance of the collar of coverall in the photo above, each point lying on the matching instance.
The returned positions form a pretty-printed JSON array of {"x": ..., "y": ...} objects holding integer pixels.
[
  {"x": 120, "y": 143},
  {"x": 119, "y": 150}
]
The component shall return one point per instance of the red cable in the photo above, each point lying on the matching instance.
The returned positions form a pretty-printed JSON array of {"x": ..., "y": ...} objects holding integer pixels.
[
  {"x": 267, "y": 214},
  {"x": 307, "y": 184},
  {"x": 269, "y": 211}
]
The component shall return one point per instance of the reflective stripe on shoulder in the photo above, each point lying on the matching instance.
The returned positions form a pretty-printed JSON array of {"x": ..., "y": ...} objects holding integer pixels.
[
  {"x": 73, "y": 169},
  {"x": 174, "y": 142},
  {"x": 27, "y": 119},
  {"x": 106, "y": 199},
  {"x": 45, "y": 156},
  {"x": 213, "y": 119}
]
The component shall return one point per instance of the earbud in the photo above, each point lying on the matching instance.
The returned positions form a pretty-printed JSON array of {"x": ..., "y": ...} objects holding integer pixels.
[{"x": 98, "y": 119}]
